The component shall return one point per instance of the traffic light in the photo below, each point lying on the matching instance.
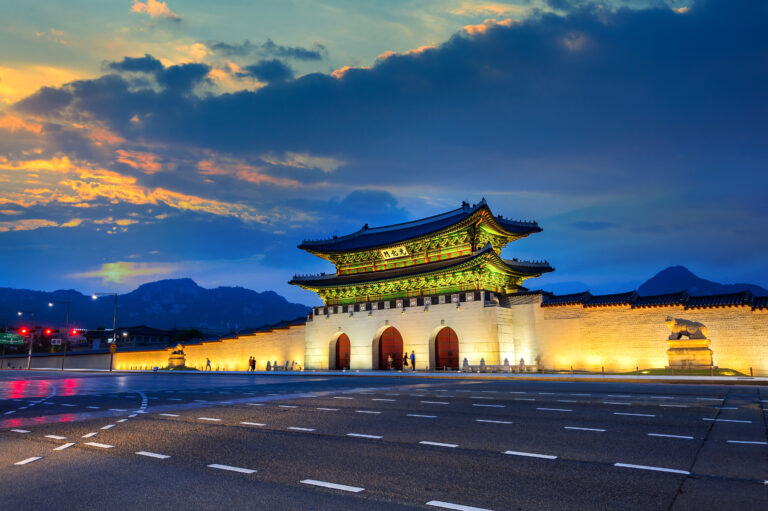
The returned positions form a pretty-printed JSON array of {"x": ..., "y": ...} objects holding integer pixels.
[
  {"x": 24, "y": 330},
  {"x": 48, "y": 331},
  {"x": 73, "y": 332}
]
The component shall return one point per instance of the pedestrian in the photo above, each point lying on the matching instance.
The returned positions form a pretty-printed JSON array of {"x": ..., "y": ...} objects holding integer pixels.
[
  {"x": 269, "y": 365},
  {"x": 413, "y": 360},
  {"x": 389, "y": 361},
  {"x": 207, "y": 364},
  {"x": 405, "y": 360}
]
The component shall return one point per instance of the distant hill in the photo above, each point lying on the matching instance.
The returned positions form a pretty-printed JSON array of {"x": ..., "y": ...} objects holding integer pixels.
[
  {"x": 161, "y": 304},
  {"x": 679, "y": 278}
]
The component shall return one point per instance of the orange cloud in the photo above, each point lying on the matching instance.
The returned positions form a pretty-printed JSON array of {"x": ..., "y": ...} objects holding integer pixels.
[
  {"x": 140, "y": 160},
  {"x": 13, "y": 124},
  {"x": 119, "y": 272},
  {"x": 339, "y": 73},
  {"x": 30, "y": 224},
  {"x": 155, "y": 9},
  {"x": 19, "y": 82},
  {"x": 60, "y": 165},
  {"x": 242, "y": 171},
  {"x": 488, "y": 24},
  {"x": 490, "y": 9}
]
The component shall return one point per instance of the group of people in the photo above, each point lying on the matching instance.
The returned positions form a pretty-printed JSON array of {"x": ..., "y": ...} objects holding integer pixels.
[
  {"x": 252, "y": 364},
  {"x": 412, "y": 357}
]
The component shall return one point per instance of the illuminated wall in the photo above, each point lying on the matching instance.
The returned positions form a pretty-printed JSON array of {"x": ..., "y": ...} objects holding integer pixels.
[{"x": 283, "y": 345}]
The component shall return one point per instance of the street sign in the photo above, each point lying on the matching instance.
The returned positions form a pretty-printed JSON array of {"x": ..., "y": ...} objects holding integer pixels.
[
  {"x": 56, "y": 342},
  {"x": 11, "y": 339},
  {"x": 113, "y": 347}
]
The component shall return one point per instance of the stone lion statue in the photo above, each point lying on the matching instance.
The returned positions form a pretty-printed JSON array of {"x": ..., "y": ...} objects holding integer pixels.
[
  {"x": 683, "y": 327},
  {"x": 178, "y": 350}
]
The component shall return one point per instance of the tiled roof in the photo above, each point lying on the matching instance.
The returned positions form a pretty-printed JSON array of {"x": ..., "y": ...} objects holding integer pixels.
[
  {"x": 743, "y": 298},
  {"x": 274, "y": 326},
  {"x": 761, "y": 302},
  {"x": 572, "y": 299},
  {"x": 614, "y": 299},
  {"x": 369, "y": 237},
  {"x": 334, "y": 279},
  {"x": 661, "y": 300}
]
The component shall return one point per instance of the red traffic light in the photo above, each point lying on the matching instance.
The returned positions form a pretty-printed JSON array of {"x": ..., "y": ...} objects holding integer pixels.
[
  {"x": 73, "y": 332},
  {"x": 23, "y": 330},
  {"x": 48, "y": 331}
]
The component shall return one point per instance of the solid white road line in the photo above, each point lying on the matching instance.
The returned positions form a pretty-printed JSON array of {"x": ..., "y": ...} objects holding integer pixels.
[
  {"x": 153, "y": 455},
  {"x": 747, "y": 442},
  {"x": 584, "y": 429},
  {"x": 635, "y": 414},
  {"x": 64, "y": 446},
  {"x": 97, "y": 444},
  {"x": 367, "y": 411},
  {"x": 169, "y": 414},
  {"x": 382, "y": 399},
  {"x": 360, "y": 435},
  {"x": 438, "y": 444},
  {"x": 423, "y": 416},
  {"x": 727, "y": 420},
  {"x": 488, "y": 406},
  {"x": 56, "y": 437},
  {"x": 208, "y": 419},
  {"x": 333, "y": 486},
  {"x": 252, "y": 423},
  {"x": 329, "y": 409},
  {"x": 108, "y": 426},
  {"x": 531, "y": 455},
  {"x": 684, "y": 437},
  {"x": 457, "y": 507},
  {"x": 89, "y": 435},
  {"x": 555, "y": 409},
  {"x": 300, "y": 429},
  {"x": 20, "y": 430},
  {"x": 28, "y": 460},
  {"x": 492, "y": 422},
  {"x": 232, "y": 469},
  {"x": 674, "y": 406},
  {"x": 655, "y": 469},
  {"x": 435, "y": 402}
]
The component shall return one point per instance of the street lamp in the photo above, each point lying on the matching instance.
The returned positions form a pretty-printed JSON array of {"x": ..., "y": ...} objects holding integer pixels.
[
  {"x": 32, "y": 334},
  {"x": 68, "y": 303},
  {"x": 114, "y": 323}
]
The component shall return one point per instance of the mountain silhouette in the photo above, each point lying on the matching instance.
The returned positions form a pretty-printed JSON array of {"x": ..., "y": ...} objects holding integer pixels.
[
  {"x": 680, "y": 278},
  {"x": 170, "y": 303}
]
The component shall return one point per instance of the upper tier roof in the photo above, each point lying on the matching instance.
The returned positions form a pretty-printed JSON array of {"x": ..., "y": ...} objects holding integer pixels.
[{"x": 371, "y": 237}]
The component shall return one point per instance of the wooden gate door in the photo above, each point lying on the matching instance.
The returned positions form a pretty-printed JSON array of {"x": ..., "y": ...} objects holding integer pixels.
[
  {"x": 447, "y": 349},
  {"x": 342, "y": 352},
  {"x": 391, "y": 343}
]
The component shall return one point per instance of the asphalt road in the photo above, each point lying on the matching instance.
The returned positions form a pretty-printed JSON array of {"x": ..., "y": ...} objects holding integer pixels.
[{"x": 160, "y": 441}]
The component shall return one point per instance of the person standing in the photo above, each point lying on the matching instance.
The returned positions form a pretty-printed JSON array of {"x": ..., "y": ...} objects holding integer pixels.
[
  {"x": 207, "y": 364},
  {"x": 413, "y": 360},
  {"x": 389, "y": 361},
  {"x": 405, "y": 360}
]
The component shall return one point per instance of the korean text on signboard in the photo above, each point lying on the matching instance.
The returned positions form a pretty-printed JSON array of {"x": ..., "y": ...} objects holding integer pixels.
[{"x": 391, "y": 253}]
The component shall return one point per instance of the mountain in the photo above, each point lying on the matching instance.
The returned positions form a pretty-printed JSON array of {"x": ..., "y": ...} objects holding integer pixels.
[
  {"x": 162, "y": 304},
  {"x": 679, "y": 278}
]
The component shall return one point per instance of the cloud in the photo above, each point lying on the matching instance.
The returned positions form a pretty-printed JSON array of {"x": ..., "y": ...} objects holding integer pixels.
[
  {"x": 145, "y": 64},
  {"x": 13, "y": 123},
  {"x": 241, "y": 171},
  {"x": 155, "y": 9},
  {"x": 120, "y": 272},
  {"x": 305, "y": 161},
  {"x": 147, "y": 162},
  {"x": 270, "y": 71},
  {"x": 268, "y": 48}
]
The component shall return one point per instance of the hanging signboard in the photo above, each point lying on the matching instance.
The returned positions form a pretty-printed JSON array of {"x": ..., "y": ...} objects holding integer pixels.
[{"x": 391, "y": 253}]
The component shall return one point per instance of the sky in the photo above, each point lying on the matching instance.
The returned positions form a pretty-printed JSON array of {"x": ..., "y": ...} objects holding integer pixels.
[{"x": 142, "y": 140}]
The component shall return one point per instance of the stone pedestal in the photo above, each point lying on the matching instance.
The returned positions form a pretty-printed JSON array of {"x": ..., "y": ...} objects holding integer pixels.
[
  {"x": 689, "y": 354},
  {"x": 176, "y": 360}
]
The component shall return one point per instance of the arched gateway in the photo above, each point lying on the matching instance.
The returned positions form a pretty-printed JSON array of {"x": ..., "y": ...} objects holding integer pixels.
[
  {"x": 446, "y": 349},
  {"x": 342, "y": 352},
  {"x": 390, "y": 344}
]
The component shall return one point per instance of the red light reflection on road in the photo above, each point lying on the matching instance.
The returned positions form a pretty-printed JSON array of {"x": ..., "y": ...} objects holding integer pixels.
[{"x": 70, "y": 386}]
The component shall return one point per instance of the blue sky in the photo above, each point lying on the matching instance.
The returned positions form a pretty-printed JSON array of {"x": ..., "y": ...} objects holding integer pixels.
[{"x": 147, "y": 140}]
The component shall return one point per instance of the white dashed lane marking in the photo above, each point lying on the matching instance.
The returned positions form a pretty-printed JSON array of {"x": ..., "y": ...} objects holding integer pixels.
[
  {"x": 342, "y": 397},
  {"x": 635, "y": 414},
  {"x": 122, "y": 420},
  {"x": 209, "y": 419},
  {"x": 65, "y": 446},
  {"x": 422, "y": 416},
  {"x": 28, "y": 460},
  {"x": 674, "y": 406},
  {"x": 531, "y": 455},
  {"x": 89, "y": 435},
  {"x": 383, "y": 399},
  {"x": 456, "y": 507},
  {"x": 286, "y": 406},
  {"x": 329, "y": 409},
  {"x": 683, "y": 437},
  {"x": 598, "y": 430},
  {"x": 153, "y": 455},
  {"x": 492, "y": 421},
  {"x": 56, "y": 437},
  {"x": 435, "y": 402},
  {"x": 437, "y": 444},
  {"x": 655, "y": 469},
  {"x": 101, "y": 446},
  {"x": 232, "y": 469},
  {"x": 294, "y": 428},
  {"x": 108, "y": 426},
  {"x": 488, "y": 406},
  {"x": 367, "y": 411},
  {"x": 252, "y": 423},
  {"x": 555, "y": 409},
  {"x": 747, "y": 442},
  {"x": 334, "y": 486},
  {"x": 361, "y": 435},
  {"x": 727, "y": 420},
  {"x": 169, "y": 414},
  {"x": 20, "y": 430}
]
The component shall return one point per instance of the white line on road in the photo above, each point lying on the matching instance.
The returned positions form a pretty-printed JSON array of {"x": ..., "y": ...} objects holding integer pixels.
[
  {"x": 488, "y": 406},
  {"x": 342, "y": 397},
  {"x": 108, "y": 426},
  {"x": 727, "y": 420},
  {"x": 56, "y": 437},
  {"x": 20, "y": 430},
  {"x": 661, "y": 397},
  {"x": 423, "y": 416},
  {"x": 118, "y": 410},
  {"x": 255, "y": 404},
  {"x": 531, "y": 455},
  {"x": 65, "y": 446},
  {"x": 208, "y": 419},
  {"x": 232, "y": 469},
  {"x": 524, "y": 399},
  {"x": 382, "y": 399},
  {"x": 546, "y": 393},
  {"x": 481, "y": 397},
  {"x": 97, "y": 444},
  {"x": 566, "y": 401},
  {"x": 584, "y": 429},
  {"x": 10, "y": 412},
  {"x": 333, "y": 486},
  {"x": 674, "y": 406},
  {"x": 726, "y": 407},
  {"x": 615, "y": 403},
  {"x": 169, "y": 414},
  {"x": 66, "y": 404},
  {"x": 435, "y": 402},
  {"x": 28, "y": 460},
  {"x": 684, "y": 437},
  {"x": 617, "y": 395},
  {"x": 709, "y": 398},
  {"x": 457, "y": 507},
  {"x": 93, "y": 407},
  {"x": 367, "y": 411},
  {"x": 555, "y": 409},
  {"x": 655, "y": 469},
  {"x": 252, "y": 423},
  {"x": 635, "y": 414},
  {"x": 492, "y": 421},
  {"x": 437, "y": 444},
  {"x": 122, "y": 420},
  {"x": 329, "y": 409},
  {"x": 286, "y": 406},
  {"x": 294, "y": 428},
  {"x": 581, "y": 395},
  {"x": 153, "y": 455},
  {"x": 512, "y": 392},
  {"x": 360, "y": 435},
  {"x": 89, "y": 435},
  {"x": 746, "y": 442},
  {"x": 174, "y": 399}
]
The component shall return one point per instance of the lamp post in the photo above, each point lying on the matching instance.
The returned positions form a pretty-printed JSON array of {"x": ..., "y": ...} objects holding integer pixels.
[
  {"x": 32, "y": 334},
  {"x": 68, "y": 303},
  {"x": 114, "y": 324}
]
